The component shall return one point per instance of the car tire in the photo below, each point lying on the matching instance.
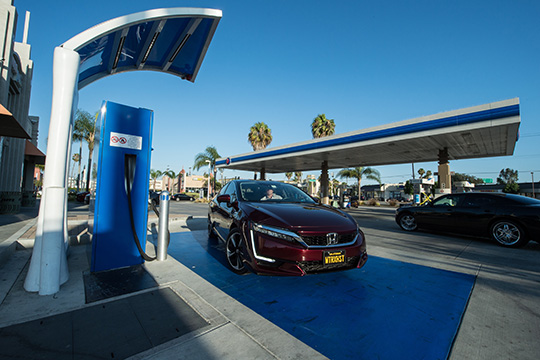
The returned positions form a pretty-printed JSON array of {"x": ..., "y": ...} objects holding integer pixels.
[
  {"x": 407, "y": 222},
  {"x": 233, "y": 251},
  {"x": 211, "y": 233},
  {"x": 508, "y": 234},
  {"x": 177, "y": 199}
]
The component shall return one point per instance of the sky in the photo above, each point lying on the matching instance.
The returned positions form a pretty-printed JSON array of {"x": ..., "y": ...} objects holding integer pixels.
[{"x": 283, "y": 62}]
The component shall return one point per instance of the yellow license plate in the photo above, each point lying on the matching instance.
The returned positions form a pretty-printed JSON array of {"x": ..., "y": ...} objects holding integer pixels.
[{"x": 334, "y": 257}]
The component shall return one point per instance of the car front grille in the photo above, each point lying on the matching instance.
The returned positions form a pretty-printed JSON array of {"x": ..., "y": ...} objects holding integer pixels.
[
  {"x": 321, "y": 240},
  {"x": 311, "y": 267}
]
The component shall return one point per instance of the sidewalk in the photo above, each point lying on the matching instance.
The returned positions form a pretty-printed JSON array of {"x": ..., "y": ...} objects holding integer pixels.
[{"x": 178, "y": 316}]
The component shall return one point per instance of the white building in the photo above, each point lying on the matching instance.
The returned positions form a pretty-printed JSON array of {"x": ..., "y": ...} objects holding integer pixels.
[{"x": 18, "y": 130}]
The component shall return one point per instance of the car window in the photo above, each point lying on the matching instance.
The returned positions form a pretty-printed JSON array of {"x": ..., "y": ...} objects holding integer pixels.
[
  {"x": 224, "y": 189},
  {"x": 521, "y": 199},
  {"x": 230, "y": 190},
  {"x": 449, "y": 200},
  {"x": 259, "y": 191},
  {"x": 482, "y": 201}
]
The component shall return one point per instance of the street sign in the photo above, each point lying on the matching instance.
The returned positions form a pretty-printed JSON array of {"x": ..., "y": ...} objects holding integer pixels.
[{"x": 487, "y": 181}]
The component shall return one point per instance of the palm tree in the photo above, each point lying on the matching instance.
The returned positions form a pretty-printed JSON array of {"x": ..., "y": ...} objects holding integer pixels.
[
  {"x": 76, "y": 159},
  {"x": 298, "y": 176},
  {"x": 421, "y": 172},
  {"x": 201, "y": 160},
  {"x": 359, "y": 172},
  {"x": 84, "y": 130},
  {"x": 154, "y": 174},
  {"x": 260, "y": 136},
  {"x": 321, "y": 126},
  {"x": 288, "y": 175},
  {"x": 172, "y": 175}
]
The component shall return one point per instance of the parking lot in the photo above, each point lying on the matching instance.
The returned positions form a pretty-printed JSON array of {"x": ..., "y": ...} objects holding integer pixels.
[{"x": 501, "y": 319}]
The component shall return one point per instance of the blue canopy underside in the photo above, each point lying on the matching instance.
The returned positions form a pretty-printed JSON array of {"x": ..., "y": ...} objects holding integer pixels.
[{"x": 98, "y": 56}]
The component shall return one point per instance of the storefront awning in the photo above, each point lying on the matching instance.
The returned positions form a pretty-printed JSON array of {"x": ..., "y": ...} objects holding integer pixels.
[
  {"x": 31, "y": 152},
  {"x": 9, "y": 126}
]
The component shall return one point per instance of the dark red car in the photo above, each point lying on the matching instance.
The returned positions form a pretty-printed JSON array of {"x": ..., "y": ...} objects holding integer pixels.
[{"x": 276, "y": 228}]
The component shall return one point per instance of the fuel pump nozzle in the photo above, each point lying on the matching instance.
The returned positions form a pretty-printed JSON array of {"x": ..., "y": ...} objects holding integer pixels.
[{"x": 130, "y": 163}]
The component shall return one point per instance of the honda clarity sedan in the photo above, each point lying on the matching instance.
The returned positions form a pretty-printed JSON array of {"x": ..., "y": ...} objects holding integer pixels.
[{"x": 275, "y": 228}]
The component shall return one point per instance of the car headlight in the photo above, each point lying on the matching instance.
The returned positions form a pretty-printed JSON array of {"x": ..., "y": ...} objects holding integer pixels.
[{"x": 277, "y": 233}]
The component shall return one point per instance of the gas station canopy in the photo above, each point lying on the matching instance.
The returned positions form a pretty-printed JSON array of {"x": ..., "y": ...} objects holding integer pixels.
[
  {"x": 481, "y": 131},
  {"x": 172, "y": 40}
]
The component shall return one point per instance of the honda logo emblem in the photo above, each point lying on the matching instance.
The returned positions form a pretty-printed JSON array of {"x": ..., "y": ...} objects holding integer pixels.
[{"x": 332, "y": 238}]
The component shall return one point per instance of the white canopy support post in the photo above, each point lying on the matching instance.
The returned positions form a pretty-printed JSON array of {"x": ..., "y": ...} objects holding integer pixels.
[{"x": 48, "y": 267}]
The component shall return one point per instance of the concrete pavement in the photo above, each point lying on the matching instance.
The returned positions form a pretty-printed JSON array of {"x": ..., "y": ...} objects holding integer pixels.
[{"x": 231, "y": 330}]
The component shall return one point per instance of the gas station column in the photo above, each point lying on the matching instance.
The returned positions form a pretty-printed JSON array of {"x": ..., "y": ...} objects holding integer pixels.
[
  {"x": 263, "y": 173},
  {"x": 324, "y": 182},
  {"x": 48, "y": 265},
  {"x": 445, "y": 180}
]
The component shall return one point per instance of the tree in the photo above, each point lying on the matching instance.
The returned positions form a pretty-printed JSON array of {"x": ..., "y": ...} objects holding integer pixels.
[
  {"x": 201, "y": 160},
  {"x": 358, "y": 173},
  {"x": 507, "y": 176},
  {"x": 511, "y": 188},
  {"x": 84, "y": 130},
  {"x": 421, "y": 172},
  {"x": 76, "y": 159},
  {"x": 298, "y": 176},
  {"x": 321, "y": 126},
  {"x": 288, "y": 175},
  {"x": 409, "y": 188},
  {"x": 259, "y": 136},
  {"x": 172, "y": 175},
  {"x": 464, "y": 177},
  {"x": 154, "y": 174}
]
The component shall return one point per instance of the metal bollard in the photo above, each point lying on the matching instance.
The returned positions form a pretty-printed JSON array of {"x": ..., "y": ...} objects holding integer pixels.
[{"x": 163, "y": 229}]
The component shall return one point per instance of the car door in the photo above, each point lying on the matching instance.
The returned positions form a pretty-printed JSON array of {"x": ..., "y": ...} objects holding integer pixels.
[
  {"x": 475, "y": 212},
  {"x": 440, "y": 214},
  {"x": 224, "y": 212},
  {"x": 216, "y": 212}
]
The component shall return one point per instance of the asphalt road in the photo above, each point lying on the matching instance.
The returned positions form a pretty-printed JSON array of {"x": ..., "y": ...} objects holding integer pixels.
[{"x": 502, "y": 320}]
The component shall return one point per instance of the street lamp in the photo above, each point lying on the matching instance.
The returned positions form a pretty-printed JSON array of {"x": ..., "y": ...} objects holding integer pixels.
[{"x": 208, "y": 193}]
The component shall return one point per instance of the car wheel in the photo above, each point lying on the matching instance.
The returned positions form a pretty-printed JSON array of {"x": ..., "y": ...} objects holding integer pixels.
[
  {"x": 408, "y": 222},
  {"x": 233, "y": 249},
  {"x": 211, "y": 233},
  {"x": 177, "y": 199},
  {"x": 509, "y": 234}
]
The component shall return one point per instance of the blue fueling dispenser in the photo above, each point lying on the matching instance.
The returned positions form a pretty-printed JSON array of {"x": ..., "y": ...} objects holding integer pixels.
[{"x": 123, "y": 149}]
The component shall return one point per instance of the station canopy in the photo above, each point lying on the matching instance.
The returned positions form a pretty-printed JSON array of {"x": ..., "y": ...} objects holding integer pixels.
[
  {"x": 481, "y": 131},
  {"x": 173, "y": 41}
]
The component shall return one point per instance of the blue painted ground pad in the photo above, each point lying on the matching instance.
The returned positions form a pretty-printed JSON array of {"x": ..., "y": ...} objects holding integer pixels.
[{"x": 386, "y": 310}]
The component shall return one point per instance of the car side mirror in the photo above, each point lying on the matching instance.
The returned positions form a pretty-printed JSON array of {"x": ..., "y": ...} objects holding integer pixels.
[{"x": 224, "y": 198}]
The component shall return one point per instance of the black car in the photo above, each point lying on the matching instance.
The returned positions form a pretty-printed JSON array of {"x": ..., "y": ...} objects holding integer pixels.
[
  {"x": 153, "y": 198},
  {"x": 511, "y": 220},
  {"x": 81, "y": 195},
  {"x": 179, "y": 197}
]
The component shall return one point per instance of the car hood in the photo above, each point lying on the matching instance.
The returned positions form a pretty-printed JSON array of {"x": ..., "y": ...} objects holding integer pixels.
[{"x": 300, "y": 217}]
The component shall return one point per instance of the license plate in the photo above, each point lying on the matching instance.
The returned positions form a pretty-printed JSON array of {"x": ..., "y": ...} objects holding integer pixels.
[{"x": 334, "y": 257}]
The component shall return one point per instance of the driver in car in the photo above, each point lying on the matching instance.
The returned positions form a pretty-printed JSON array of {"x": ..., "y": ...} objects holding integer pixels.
[{"x": 270, "y": 195}]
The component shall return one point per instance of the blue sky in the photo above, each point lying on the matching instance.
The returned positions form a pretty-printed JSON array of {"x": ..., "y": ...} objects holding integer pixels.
[{"x": 362, "y": 63}]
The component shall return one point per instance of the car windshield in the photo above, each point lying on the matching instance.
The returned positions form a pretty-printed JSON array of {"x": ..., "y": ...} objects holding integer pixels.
[
  {"x": 523, "y": 199},
  {"x": 260, "y": 191}
]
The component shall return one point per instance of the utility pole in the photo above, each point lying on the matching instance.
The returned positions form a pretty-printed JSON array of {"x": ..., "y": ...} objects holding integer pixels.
[{"x": 532, "y": 177}]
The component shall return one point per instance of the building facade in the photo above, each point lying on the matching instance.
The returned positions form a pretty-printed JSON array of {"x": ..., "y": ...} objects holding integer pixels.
[{"x": 18, "y": 130}]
